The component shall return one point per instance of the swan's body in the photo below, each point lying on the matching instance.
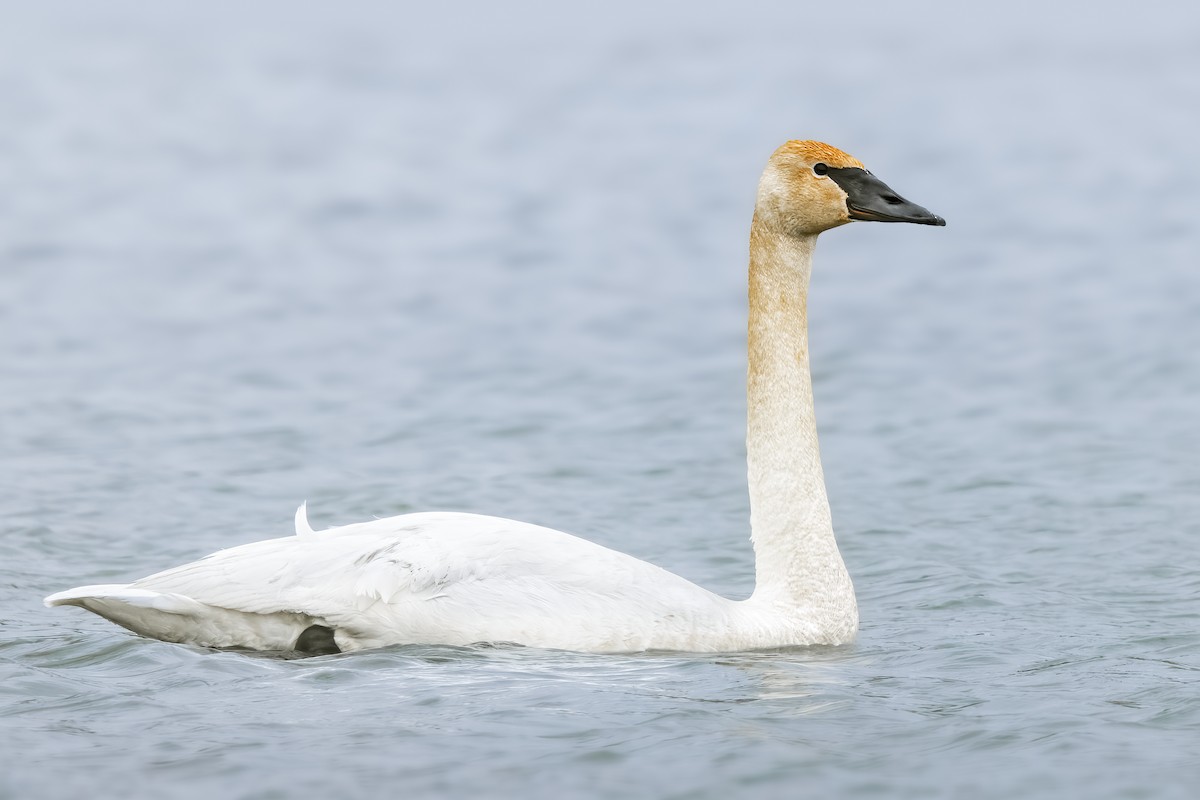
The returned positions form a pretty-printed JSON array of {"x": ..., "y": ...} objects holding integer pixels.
[
  {"x": 437, "y": 578},
  {"x": 452, "y": 578}
]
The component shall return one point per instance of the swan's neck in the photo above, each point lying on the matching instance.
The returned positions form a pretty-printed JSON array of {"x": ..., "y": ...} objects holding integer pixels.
[{"x": 797, "y": 562}]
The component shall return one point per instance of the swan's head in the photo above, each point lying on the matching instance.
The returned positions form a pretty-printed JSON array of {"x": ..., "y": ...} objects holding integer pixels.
[{"x": 809, "y": 187}]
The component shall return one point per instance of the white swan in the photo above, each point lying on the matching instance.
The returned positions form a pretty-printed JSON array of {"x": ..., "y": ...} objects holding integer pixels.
[{"x": 452, "y": 578}]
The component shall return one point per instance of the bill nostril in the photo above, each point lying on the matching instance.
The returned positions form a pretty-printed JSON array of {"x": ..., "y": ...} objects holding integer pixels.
[{"x": 892, "y": 200}]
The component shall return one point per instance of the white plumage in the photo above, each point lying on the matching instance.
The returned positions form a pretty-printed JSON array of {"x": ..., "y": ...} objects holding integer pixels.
[
  {"x": 438, "y": 578},
  {"x": 458, "y": 579}
]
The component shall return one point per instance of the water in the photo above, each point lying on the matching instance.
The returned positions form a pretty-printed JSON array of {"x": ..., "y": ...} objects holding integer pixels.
[{"x": 493, "y": 260}]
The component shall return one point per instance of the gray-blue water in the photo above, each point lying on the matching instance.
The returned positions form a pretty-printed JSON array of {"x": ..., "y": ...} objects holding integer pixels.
[{"x": 493, "y": 259}]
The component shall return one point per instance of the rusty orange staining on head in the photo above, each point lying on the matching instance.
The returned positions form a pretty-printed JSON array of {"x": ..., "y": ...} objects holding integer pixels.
[{"x": 819, "y": 152}]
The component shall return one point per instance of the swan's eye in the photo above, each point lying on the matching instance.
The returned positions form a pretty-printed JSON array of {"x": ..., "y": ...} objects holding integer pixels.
[{"x": 820, "y": 169}]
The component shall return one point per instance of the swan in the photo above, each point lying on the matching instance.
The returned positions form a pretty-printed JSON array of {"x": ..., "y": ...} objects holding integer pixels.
[{"x": 460, "y": 579}]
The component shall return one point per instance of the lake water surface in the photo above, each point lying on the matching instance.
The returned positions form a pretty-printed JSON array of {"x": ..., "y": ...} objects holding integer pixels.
[{"x": 493, "y": 259}]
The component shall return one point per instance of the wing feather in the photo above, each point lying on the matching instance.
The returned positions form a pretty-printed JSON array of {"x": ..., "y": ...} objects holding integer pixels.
[{"x": 444, "y": 577}]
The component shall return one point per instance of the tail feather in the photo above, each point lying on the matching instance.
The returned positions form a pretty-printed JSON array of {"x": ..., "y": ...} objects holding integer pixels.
[
  {"x": 177, "y": 618},
  {"x": 120, "y": 593}
]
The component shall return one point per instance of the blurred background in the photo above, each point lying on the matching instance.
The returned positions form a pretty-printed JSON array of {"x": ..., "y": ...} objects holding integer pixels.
[{"x": 392, "y": 257}]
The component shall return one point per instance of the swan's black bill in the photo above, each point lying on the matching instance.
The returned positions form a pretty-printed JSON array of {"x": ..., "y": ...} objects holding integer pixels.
[{"x": 868, "y": 198}]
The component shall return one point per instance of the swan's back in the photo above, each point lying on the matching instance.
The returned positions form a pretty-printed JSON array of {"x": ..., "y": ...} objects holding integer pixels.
[{"x": 434, "y": 578}]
